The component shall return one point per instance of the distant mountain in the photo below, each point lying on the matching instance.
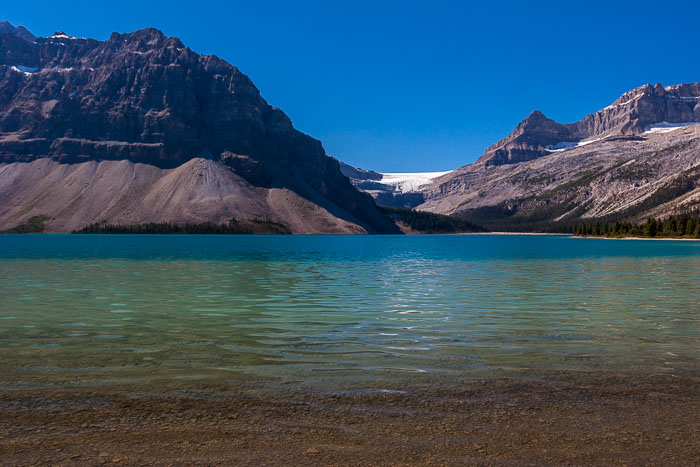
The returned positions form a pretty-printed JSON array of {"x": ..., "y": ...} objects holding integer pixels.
[
  {"x": 19, "y": 31},
  {"x": 400, "y": 190},
  {"x": 631, "y": 114},
  {"x": 359, "y": 174},
  {"x": 638, "y": 157},
  {"x": 139, "y": 128}
]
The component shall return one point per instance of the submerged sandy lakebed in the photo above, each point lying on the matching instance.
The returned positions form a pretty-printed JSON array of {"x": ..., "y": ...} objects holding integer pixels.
[{"x": 546, "y": 420}]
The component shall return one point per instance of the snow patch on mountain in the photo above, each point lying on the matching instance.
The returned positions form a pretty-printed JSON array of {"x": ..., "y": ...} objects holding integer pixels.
[
  {"x": 408, "y": 182},
  {"x": 563, "y": 146},
  {"x": 23, "y": 69},
  {"x": 61, "y": 35},
  {"x": 566, "y": 145},
  {"x": 621, "y": 104},
  {"x": 665, "y": 127}
]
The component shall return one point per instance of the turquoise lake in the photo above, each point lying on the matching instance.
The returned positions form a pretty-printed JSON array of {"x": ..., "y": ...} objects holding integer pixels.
[{"x": 342, "y": 312}]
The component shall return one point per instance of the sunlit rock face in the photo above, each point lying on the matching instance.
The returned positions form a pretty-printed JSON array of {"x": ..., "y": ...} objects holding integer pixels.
[
  {"x": 635, "y": 158},
  {"x": 638, "y": 157},
  {"x": 631, "y": 114}
]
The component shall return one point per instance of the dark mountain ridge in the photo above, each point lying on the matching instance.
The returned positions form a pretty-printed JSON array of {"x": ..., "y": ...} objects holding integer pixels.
[
  {"x": 146, "y": 98},
  {"x": 161, "y": 102}
]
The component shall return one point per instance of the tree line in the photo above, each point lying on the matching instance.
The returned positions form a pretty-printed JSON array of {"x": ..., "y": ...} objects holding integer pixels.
[
  {"x": 254, "y": 226},
  {"x": 431, "y": 223},
  {"x": 35, "y": 224},
  {"x": 682, "y": 226}
]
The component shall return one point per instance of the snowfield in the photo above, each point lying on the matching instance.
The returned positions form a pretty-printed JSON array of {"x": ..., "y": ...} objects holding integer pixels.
[
  {"x": 662, "y": 127},
  {"x": 564, "y": 145},
  {"x": 665, "y": 127},
  {"x": 407, "y": 182},
  {"x": 23, "y": 69}
]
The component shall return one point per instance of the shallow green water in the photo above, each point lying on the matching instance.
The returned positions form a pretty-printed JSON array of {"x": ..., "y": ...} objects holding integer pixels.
[{"x": 341, "y": 312}]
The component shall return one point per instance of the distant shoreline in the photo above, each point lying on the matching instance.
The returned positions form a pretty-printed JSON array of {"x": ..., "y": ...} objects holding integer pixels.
[
  {"x": 644, "y": 238},
  {"x": 526, "y": 234},
  {"x": 418, "y": 234},
  {"x": 579, "y": 236}
]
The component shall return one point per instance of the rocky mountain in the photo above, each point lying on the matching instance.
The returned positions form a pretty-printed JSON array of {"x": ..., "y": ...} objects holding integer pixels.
[
  {"x": 139, "y": 128},
  {"x": 399, "y": 190},
  {"x": 19, "y": 31},
  {"x": 355, "y": 173},
  {"x": 638, "y": 157},
  {"x": 631, "y": 114}
]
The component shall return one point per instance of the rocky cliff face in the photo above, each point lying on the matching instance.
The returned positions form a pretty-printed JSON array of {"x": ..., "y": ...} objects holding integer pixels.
[
  {"x": 629, "y": 115},
  {"x": 638, "y": 157},
  {"x": 640, "y": 108},
  {"x": 528, "y": 141},
  {"x": 357, "y": 173},
  {"x": 19, "y": 31},
  {"x": 147, "y": 99}
]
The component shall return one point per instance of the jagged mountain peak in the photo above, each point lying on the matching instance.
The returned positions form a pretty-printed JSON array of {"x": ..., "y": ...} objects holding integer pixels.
[
  {"x": 684, "y": 90},
  {"x": 536, "y": 115},
  {"x": 145, "y": 39},
  {"x": 635, "y": 158},
  {"x": 135, "y": 87},
  {"x": 20, "y": 31},
  {"x": 147, "y": 33},
  {"x": 631, "y": 114},
  {"x": 144, "y": 97},
  {"x": 528, "y": 139},
  {"x": 535, "y": 120}
]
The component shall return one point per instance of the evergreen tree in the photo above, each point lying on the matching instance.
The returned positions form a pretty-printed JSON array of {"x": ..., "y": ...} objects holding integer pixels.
[
  {"x": 671, "y": 228},
  {"x": 650, "y": 228},
  {"x": 690, "y": 227},
  {"x": 683, "y": 223}
]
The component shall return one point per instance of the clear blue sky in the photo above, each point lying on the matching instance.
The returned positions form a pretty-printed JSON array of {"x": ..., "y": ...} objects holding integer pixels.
[{"x": 413, "y": 85}]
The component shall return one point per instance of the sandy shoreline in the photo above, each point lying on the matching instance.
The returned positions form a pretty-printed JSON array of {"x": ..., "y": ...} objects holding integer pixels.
[
  {"x": 588, "y": 420},
  {"x": 536, "y": 234},
  {"x": 527, "y": 234},
  {"x": 672, "y": 239}
]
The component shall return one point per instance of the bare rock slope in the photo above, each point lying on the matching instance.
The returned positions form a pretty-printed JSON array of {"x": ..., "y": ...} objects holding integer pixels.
[
  {"x": 139, "y": 128},
  {"x": 638, "y": 157},
  {"x": 631, "y": 114}
]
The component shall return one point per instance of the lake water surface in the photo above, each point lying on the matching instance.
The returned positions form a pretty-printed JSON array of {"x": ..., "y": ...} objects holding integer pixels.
[{"x": 341, "y": 313}]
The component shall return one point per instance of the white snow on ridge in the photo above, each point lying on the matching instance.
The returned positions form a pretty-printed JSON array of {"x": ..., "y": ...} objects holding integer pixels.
[
  {"x": 565, "y": 145},
  {"x": 26, "y": 69},
  {"x": 407, "y": 182},
  {"x": 23, "y": 69},
  {"x": 587, "y": 142},
  {"x": 611, "y": 106},
  {"x": 665, "y": 127}
]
